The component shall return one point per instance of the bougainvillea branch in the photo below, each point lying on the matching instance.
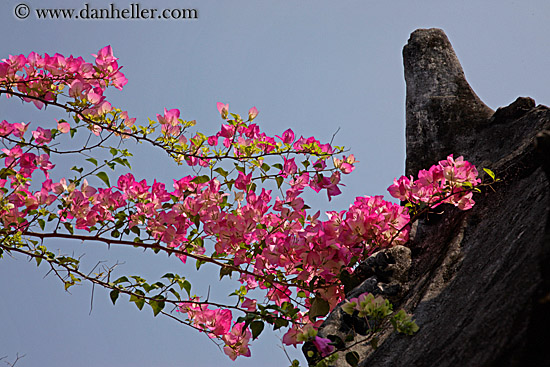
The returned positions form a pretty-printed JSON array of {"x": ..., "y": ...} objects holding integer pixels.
[{"x": 241, "y": 210}]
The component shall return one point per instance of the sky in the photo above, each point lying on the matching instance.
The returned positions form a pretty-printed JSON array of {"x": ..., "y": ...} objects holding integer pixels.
[{"x": 318, "y": 67}]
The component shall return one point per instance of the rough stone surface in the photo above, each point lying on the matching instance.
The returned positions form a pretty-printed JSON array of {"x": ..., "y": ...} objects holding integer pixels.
[
  {"x": 385, "y": 273},
  {"x": 479, "y": 281},
  {"x": 442, "y": 109}
]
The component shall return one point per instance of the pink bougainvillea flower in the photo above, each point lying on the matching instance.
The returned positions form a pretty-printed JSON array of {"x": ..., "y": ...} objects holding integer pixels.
[
  {"x": 243, "y": 181},
  {"x": 289, "y": 167},
  {"x": 169, "y": 130},
  {"x": 434, "y": 185},
  {"x": 347, "y": 165},
  {"x": 119, "y": 80},
  {"x": 95, "y": 96},
  {"x": 103, "y": 108},
  {"x": 42, "y": 136},
  {"x": 236, "y": 342},
  {"x": 76, "y": 89},
  {"x": 63, "y": 127},
  {"x": 130, "y": 122},
  {"x": 323, "y": 346},
  {"x": 301, "y": 331},
  {"x": 96, "y": 130},
  {"x": 288, "y": 136},
  {"x": 401, "y": 188},
  {"x": 227, "y": 131},
  {"x": 5, "y": 128},
  {"x": 170, "y": 117},
  {"x": 213, "y": 140},
  {"x": 104, "y": 56},
  {"x": 291, "y": 337},
  {"x": 224, "y": 109},
  {"x": 252, "y": 113},
  {"x": 19, "y": 129},
  {"x": 249, "y": 304},
  {"x": 279, "y": 296}
]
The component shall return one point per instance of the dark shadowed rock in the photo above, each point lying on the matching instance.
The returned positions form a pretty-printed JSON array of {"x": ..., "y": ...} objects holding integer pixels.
[
  {"x": 479, "y": 280},
  {"x": 385, "y": 273}
]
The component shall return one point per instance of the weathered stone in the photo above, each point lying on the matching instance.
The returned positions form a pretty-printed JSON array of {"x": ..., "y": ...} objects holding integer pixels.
[
  {"x": 442, "y": 109},
  {"x": 385, "y": 273},
  {"x": 479, "y": 281},
  {"x": 388, "y": 273}
]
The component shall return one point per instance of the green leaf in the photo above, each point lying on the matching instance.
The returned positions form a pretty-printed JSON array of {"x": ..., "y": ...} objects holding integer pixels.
[
  {"x": 279, "y": 323},
  {"x": 319, "y": 307},
  {"x": 138, "y": 301},
  {"x": 490, "y": 173},
  {"x": 69, "y": 227},
  {"x": 119, "y": 161},
  {"x": 42, "y": 223},
  {"x": 196, "y": 220},
  {"x": 77, "y": 169},
  {"x": 257, "y": 327},
  {"x": 279, "y": 180},
  {"x": 157, "y": 306},
  {"x": 175, "y": 293},
  {"x": 5, "y": 173},
  {"x": 168, "y": 276},
  {"x": 200, "y": 179},
  {"x": 221, "y": 171},
  {"x": 114, "y": 295},
  {"x": 122, "y": 279},
  {"x": 224, "y": 271},
  {"x": 200, "y": 263},
  {"x": 103, "y": 176},
  {"x": 138, "y": 279},
  {"x": 92, "y": 160},
  {"x": 187, "y": 286},
  {"x": 352, "y": 358}
]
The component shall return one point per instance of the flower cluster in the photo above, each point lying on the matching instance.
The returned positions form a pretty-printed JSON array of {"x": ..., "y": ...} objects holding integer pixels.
[
  {"x": 273, "y": 241},
  {"x": 377, "y": 309},
  {"x": 217, "y": 324},
  {"x": 45, "y": 76},
  {"x": 447, "y": 182},
  {"x": 367, "y": 305}
]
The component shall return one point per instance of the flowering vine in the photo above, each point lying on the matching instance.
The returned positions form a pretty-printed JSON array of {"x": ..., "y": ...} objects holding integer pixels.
[{"x": 241, "y": 210}]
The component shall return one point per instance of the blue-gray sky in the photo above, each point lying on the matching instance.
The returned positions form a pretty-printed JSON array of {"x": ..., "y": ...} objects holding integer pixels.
[{"x": 314, "y": 66}]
